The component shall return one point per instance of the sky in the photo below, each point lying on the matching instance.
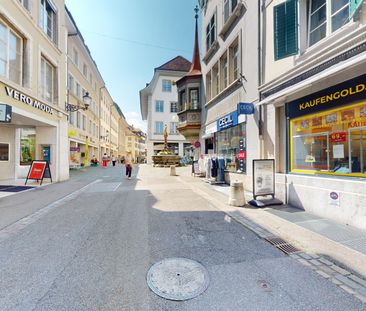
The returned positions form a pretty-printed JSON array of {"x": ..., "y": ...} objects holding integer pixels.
[{"x": 128, "y": 39}]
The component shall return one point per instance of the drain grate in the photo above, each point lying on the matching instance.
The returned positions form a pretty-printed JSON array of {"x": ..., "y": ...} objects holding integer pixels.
[{"x": 282, "y": 245}]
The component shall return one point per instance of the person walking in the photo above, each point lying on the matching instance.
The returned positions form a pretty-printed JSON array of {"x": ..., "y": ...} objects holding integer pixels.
[
  {"x": 113, "y": 160},
  {"x": 128, "y": 164},
  {"x": 105, "y": 160}
]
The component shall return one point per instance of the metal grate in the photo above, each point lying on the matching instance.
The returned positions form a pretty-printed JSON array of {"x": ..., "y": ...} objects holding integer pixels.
[{"x": 282, "y": 245}]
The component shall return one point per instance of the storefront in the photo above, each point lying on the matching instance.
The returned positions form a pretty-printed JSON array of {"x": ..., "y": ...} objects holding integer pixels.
[
  {"x": 327, "y": 131},
  {"x": 230, "y": 141}
]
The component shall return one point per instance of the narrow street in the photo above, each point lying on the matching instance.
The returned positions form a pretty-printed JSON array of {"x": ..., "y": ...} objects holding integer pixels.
[{"x": 88, "y": 243}]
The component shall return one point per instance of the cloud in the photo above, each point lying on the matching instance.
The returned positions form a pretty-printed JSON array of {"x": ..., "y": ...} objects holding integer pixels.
[{"x": 134, "y": 118}]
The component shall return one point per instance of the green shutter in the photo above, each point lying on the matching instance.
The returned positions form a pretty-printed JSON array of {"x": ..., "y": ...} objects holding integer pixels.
[
  {"x": 285, "y": 29},
  {"x": 353, "y": 6}
]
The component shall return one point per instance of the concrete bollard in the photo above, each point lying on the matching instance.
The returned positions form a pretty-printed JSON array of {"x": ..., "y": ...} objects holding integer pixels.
[
  {"x": 236, "y": 197},
  {"x": 172, "y": 170}
]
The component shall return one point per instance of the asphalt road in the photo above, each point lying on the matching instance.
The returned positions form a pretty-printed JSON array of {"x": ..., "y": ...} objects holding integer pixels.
[{"x": 62, "y": 248}]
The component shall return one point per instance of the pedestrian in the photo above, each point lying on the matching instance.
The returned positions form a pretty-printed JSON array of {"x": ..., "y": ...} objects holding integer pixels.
[
  {"x": 105, "y": 160},
  {"x": 128, "y": 164},
  {"x": 113, "y": 160},
  {"x": 123, "y": 160}
]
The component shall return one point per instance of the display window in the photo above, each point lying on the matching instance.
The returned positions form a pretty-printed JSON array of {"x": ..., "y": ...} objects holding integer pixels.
[
  {"x": 227, "y": 144},
  {"x": 332, "y": 142},
  {"x": 27, "y": 145},
  {"x": 4, "y": 152}
]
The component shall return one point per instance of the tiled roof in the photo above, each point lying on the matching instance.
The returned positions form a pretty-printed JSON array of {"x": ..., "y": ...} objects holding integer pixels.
[{"x": 178, "y": 63}]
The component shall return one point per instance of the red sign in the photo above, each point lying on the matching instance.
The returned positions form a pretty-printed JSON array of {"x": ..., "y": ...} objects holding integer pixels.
[
  {"x": 197, "y": 144},
  {"x": 241, "y": 155},
  {"x": 37, "y": 169},
  {"x": 338, "y": 137}
]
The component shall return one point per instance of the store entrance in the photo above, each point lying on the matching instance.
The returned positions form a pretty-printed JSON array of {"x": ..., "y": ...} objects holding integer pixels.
[{"x": 357, "y": 149}]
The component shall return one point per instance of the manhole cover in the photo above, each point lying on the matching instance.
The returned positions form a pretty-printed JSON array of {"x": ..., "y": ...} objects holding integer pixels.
[{"x": 177, "y": 278}]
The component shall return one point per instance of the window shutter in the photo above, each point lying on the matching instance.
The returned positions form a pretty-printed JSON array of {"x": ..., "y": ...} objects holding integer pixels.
[
  {"x": 285, "y": 29},
  {"x": 354, "y": 5}
]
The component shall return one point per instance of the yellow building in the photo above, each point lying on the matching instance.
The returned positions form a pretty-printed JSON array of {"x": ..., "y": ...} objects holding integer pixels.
[
  {"x": 83, "y": 79},
  {"x": 33, "y": 121}
]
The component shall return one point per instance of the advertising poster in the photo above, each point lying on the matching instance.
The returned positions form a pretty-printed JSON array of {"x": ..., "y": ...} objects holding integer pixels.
[{"x": 263, "y": 177}]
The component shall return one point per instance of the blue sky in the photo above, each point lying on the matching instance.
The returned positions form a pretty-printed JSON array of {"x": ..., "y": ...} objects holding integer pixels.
[{"x": 128, "y": 39}]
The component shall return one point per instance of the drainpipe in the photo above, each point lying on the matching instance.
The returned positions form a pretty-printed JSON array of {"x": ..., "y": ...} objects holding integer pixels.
[{"x": 260, "y": 77}]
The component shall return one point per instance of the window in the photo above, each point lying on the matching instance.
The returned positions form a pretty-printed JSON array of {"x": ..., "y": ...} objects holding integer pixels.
[
  {"x": 182, "y": 104},
  {"x": 84, "y": 123},
  {"x": 159, "y": 106},
  {"x": 85, "y": 70},
  {"x": 11, "y": 54},
  {"x": 234, "y": 67},
  {"x": 229, "y": 7},
  {"x": 78, "y": 90},
  {"x": 48, "y": 20},
  {"x": 173, "y": 128},
  {"x": 193, "y": 99},
  {"x": 285, "y": 29},
  {"x": 224, "y": 72},
  {"x": 325, "y": 17},
  {"x": 78, "y": 119},
  {"x": 167, "y": 86},
  {"x": 25, "y": 3},
  {"x": 330, "y": 142},
  {"x": 70, "y": 83},
  {"x": 75, "y": 57},
  {"x": 4, "y": 152},
  {"x": 208, "y": 86},
  {"x": 159, "y": 127},
  {"x": 90, "y": 78},
  {"x": 216, "y": 80},
  {"x": 72, "y": 118},
  {"x": 211, "y": 32},
  {"x": 27, "y": 145},
  {"x": 173, "y": 107},
  {"x": 48, "y": 81}
]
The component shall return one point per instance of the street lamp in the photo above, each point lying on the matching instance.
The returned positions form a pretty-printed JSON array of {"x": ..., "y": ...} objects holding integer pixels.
[{"x": 86, "y": 100}]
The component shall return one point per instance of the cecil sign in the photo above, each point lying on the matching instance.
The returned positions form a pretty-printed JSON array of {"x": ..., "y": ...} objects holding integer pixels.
[{"x": 227, "y": 121}]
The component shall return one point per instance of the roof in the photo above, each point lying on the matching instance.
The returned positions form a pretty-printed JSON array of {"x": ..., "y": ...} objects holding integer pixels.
[{"x": 178, "y": 63}]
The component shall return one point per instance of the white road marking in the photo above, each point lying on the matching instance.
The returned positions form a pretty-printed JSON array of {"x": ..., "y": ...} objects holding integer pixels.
[
  {"x": 117, "y": 186},
  {"x": 19, "y": 225}
]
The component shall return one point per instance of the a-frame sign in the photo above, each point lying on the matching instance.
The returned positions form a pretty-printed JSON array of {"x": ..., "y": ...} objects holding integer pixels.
[{"x": 39, "y": 169}]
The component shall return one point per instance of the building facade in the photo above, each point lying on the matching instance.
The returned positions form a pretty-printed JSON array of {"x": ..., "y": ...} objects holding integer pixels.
[
  {"x": 159, "y": 106},
  {"x": 230, "y": 76},
  {"x": 33, "y": 86},
  {"x": 313, "y": 102}
]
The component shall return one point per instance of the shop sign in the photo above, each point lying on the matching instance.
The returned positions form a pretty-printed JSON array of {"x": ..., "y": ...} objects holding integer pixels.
[
  {"x": 5, "y": 113},
  {"x": 263, "y": 177},
  {"x": 338, "y": 137},
  {"x": 39, "y": 170},
  {"x": 333, "y": 198},
  {"x": 335, "y": 96},
  {"x": 241, "y": 155},
  {"x": 245, "y": 108},
  {"x": 27, "y": 100},
  {"x": 227, "y": 121},
  {"x": 77, "y": 149}
]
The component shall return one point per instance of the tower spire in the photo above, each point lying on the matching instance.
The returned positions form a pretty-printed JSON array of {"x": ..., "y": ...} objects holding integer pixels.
[{"x": 196, "y": 63}]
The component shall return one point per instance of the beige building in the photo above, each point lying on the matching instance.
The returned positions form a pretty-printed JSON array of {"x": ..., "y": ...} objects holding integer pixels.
[
  {"x": 122, "y": 132},
  {"x": 33, "y": 86},
  {"x": 83, "y": 78}
]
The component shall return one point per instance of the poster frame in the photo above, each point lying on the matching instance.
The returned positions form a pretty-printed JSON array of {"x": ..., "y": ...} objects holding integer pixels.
[{"x": 255, "y": 193}]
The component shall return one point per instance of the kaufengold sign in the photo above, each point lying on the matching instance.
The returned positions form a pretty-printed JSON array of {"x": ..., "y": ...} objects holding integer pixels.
[{"x": 27, "y": 100}]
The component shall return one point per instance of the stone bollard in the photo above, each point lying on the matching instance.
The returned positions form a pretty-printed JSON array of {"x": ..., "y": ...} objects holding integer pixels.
[
  {"x": 236, "y": 197},
  {"x": 172, "y": 170}
]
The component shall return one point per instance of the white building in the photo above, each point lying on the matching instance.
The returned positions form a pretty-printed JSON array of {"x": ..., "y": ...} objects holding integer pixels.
[{"x": 158, "y": 104}]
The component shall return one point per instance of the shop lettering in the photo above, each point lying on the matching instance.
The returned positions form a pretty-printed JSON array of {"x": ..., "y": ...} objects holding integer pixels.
[
  {"x": 334, "y": 96},
  {"x": 27, "y": 100},
  {"x": 225, "y": 121}
]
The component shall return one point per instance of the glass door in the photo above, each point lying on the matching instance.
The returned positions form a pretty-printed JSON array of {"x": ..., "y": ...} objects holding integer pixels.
[{"x": 357, "y": 149}]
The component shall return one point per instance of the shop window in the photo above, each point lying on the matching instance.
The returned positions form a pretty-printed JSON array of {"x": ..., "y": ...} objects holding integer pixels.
[
  {"x": 167, "y": 86},
  {"x": 48, "y": 19},
  {"x": 227, "y": 144},
  {"x": 211, "y": 32},
  {"x": 48, "y": 85},
  {"x": 27, "y": 145},
  {"x": 11, "y": 54},
  {"x": 332, "y": 142},
  {"x": 4, "y": 152},
  {"x": 193, "y": 99},
  {"x": 325, "y": 17}
]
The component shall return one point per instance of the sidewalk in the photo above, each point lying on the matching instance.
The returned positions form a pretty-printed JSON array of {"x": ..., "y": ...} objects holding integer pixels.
[{"x": 343, "y": 244}]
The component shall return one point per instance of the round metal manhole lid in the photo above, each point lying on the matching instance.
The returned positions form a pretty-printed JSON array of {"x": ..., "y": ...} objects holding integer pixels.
[{"x": 178, "y": 278}]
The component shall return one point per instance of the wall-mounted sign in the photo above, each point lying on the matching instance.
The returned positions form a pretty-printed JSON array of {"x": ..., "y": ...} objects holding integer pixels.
[
  {"x": 245, "y": 108},
  {"x": 77, "y": 149},
  {"x": 197, "y": 144},
  {"x": 335, "y": 96},
  {"x": 333, "y": 198},
  {"x": 5, "y": 113},
  {"x": 338, "y": 137},
  {"x": 27, "y": 100},
  {"x": 263, "y": 177},
  {"x": 227, "y": 121}
]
